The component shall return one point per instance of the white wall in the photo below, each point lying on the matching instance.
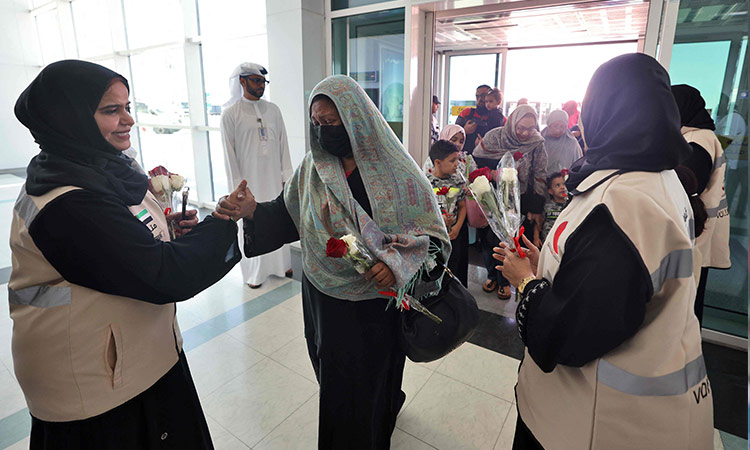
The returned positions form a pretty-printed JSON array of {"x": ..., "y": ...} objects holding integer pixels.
[
  {"x": 20, "y": 62},
  {"x": 296, "y": 56}
]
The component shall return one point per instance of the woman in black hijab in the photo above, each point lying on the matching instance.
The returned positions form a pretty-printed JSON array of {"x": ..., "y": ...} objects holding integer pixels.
[
  {"x": 708, "y": 164},
  {"x": 96, "y": 345},
  {"x": 613, "y": 352}
]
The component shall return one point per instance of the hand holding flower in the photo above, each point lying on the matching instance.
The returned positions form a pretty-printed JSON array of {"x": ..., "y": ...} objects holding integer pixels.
[
  {"x": 382, "y": 275},
  {"x": 532, "y": 256}
]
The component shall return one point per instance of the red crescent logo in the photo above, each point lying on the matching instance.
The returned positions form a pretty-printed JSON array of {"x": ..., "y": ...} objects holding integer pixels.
[{"x": 558, "y": 232}]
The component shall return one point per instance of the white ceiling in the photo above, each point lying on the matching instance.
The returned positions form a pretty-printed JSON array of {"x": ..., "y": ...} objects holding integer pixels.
[{"x": 596, "y": 21}]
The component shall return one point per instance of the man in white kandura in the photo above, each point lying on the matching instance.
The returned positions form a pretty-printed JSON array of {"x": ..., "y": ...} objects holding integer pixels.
[{"x": 256, "y": 149}]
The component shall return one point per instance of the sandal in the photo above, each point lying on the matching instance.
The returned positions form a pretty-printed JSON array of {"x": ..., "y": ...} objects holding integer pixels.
[
  {"x": 503, "y": 293},
  {"x": 489, "y": 285}
]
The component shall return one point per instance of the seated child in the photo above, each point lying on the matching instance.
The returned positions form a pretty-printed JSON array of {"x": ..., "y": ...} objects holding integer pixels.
[
  {"x": 554, "y": 206},
  {"x": 451, "y": 194}
]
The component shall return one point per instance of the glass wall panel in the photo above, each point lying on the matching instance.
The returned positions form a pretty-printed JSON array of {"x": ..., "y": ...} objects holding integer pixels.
[
  {"x": 231, "y": 18},
  {"x": 343, "y": 4},
  {"x": 153, "y": 22},
  {"x": 221, "y": 186},
  {"x": 710, "y": 53},
  {"x": 370, "y": 49},
  {"x": 50, "y": 38},
  {"x": 160, "y": 87},
  {"x": 98, "y": 27},
  {"x": 173, "y": 150},
  {"x": 466, "y": 73}
]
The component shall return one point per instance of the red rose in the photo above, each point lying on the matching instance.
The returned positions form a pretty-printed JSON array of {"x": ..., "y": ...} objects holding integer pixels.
[
  {"x": 479, "y": 172},
  {"x": 158, "y": 170},
  {"x": 565, "y": 172},
  {"x": 517, "y": 156},
  {"x": 442, "y": 191},
  {"x": 336, "y": 248}
]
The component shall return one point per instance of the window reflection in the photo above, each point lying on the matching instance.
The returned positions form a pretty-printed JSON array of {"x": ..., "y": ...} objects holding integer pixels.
[
  {"x": 370, "y": 49},
  {"x": 153, "y": 22},
  {"x": 160, "y": 88},
  {"x": 173, "y": 150},
  {"x": 710, "y": 53}
]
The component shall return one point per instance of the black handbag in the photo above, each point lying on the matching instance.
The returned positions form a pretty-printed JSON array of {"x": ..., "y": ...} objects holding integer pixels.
[{"x": 424, "y": 340}]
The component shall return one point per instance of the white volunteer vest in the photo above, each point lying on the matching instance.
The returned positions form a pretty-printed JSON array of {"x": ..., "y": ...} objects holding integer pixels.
[
  {"x": 714, "y": 242},
  {"x": 651, "y": 392},
  {"x": 77, "y": 352}
]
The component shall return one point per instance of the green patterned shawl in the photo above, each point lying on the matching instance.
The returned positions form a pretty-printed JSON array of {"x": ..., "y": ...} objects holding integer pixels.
[{"x": 405, "y": 212}]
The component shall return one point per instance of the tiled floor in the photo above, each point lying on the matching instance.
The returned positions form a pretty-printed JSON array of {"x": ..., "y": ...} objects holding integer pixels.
[
  {"x": 258, "y": 390},
  {"x": 250, "y": 364}
]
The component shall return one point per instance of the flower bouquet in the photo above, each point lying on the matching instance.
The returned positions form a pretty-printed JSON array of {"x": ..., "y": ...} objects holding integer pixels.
[
  {"x": 446, "y": 197},
  {"x": 164, "y": 184},
  {"x": 352, "y": 250},
  {"x": 501, "y": 206}
]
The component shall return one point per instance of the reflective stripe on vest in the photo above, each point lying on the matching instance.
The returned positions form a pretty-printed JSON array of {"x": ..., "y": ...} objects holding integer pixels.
[
  {"x": 40, "y": 296},
  {"x": 26, "y": 208},
  {"x": 677, "y": 264},
  {"x": 713, "y": 212},
  {"x": 720, "y": 161},
  {"x": 675, "y": 383}
]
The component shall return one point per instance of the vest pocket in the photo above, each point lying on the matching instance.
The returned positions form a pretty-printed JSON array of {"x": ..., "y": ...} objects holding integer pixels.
[{"x": 113, "y": 355}]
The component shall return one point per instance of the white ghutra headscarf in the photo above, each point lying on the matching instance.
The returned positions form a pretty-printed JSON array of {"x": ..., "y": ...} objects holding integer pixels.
[{"x": 243, "y": 70}]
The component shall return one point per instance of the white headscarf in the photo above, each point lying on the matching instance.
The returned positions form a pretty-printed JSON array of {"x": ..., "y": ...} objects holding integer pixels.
[
  {"x": 235, "y": 88},
  {"x": 451, "y": 130}
]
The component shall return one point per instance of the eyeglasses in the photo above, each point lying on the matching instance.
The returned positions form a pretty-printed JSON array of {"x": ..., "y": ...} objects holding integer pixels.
[
  {"x": 523, "y": 130},
  {"x": 481, "y": 95},
  {"x": 257, "y": 81}
]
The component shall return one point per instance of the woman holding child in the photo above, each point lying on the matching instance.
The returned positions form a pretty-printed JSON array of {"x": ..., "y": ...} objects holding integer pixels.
[{"x": 355, "y": 178}]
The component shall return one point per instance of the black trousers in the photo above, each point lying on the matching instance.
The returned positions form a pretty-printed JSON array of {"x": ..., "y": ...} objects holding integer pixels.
[
  {"x": 458, "y": 263},
  {"x": 358, "y": 361},
  {"x": 700, "y": 295},
  {"x": 168, "y": 415},
  {"x": 489, "y": 240},
  {"x": 523, "y": 439}
]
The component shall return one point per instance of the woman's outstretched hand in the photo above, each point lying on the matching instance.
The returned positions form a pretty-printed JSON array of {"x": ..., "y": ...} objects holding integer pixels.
[
  {"x": 382, "y": 275},
  {"x": 240, "y": 204},
  {"x": 515, "y": 268}
]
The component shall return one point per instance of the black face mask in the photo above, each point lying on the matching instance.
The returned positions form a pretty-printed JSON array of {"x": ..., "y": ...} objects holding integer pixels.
[{"x": 333, "y": 139}]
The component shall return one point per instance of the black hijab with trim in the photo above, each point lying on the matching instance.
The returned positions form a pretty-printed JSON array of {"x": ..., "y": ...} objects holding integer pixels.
[
  {"x": 58, "y": 108},
  {"x": 692, "y": 107},
  {"x": 630, "y": 120}
]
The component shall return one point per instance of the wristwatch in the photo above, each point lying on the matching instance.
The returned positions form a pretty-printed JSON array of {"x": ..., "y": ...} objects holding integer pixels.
[{"x": 524, "y": 282}]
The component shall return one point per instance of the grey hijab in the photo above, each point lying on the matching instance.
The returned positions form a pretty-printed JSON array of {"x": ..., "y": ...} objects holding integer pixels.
[{"x": 562, "y": 151}]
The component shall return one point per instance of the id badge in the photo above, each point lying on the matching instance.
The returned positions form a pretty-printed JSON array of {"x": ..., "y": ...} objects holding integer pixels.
[{"x": 262, "y": 131}]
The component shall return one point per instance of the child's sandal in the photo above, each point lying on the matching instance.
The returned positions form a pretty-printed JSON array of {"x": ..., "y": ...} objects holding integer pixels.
[{"x": 503, "y": 293}]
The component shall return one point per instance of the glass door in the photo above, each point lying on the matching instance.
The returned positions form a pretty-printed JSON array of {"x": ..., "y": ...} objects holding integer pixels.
[
  {"x": 465, "y": 74},
  {"x": 717, "y": 37},
  {"x": 370, "y": 49}
]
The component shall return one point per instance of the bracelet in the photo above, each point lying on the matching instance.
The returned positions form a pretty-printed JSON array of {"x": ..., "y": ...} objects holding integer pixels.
[{"x": 524, "y": 282}]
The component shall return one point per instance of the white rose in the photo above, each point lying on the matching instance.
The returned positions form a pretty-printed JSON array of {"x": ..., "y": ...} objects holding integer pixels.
[
  {"x": 452, "y": 192},
  {"x": 480, "y": 186},
  {"x": 351, "y": 243},
  {"x": 177, "y": 182},
  {"x": 509, "y": 174},
  {"x": 160, "y": 183}
]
